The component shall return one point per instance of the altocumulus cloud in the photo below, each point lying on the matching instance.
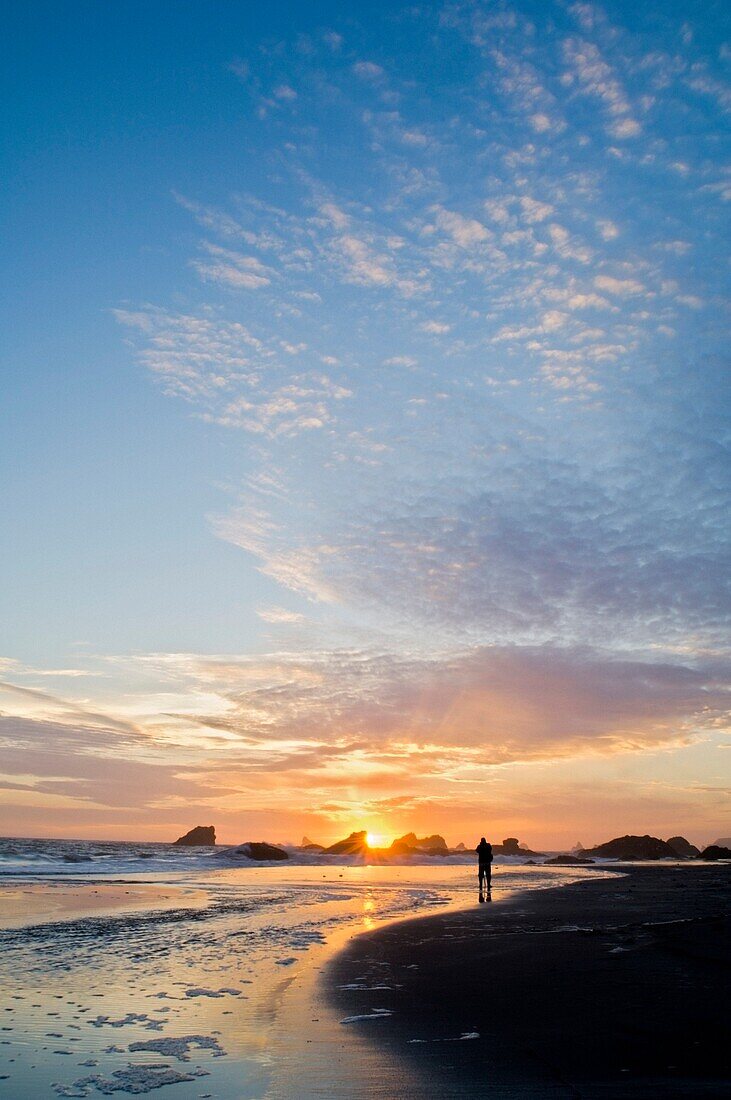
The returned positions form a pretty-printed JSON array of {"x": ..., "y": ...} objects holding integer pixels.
[{"x": 528, "y": 523}]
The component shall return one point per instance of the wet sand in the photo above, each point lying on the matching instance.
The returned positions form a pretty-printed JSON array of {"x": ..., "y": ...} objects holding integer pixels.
[
  {"x": 24, "y": 903},
  {"x": 611, "y": 988}
]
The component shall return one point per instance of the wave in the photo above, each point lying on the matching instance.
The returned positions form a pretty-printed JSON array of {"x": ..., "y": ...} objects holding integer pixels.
[
  {"x": 30, "y": 857},
  {"x": 43, "y": 858}
]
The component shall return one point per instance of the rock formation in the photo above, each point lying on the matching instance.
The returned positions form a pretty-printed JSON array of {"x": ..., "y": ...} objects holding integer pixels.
[
  {"x": 354, "y": 845},
  {"x": 683, "y": 848},
  {"x": 461, "y": 847},
  {"x": 633, "y": 847},
  {"x": 722, "y": 842},
  {"x": 511, "y": 847},
  {"x": 258, "y": 850},
  {"x": 428, "y": 845},
  {"x": 568, "y": 860},
  {"x": 310, "y": 845},
  {"x": 715, "y": 851},
  {"x": 202, "y": 835}
]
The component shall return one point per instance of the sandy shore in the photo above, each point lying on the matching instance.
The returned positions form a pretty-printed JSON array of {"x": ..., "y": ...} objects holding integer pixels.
[
  {"x": 608, "y": 988},
  {"x": 23, "y": 903}
]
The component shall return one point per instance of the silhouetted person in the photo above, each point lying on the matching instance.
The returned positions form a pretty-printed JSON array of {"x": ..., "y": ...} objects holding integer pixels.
[{"x": 484, "y": 864}]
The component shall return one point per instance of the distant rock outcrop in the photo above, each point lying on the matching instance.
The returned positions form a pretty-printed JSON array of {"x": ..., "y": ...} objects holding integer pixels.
[
  {"x": 260, "y": 851},
  {"x": 428, "y": 845},
  {"x": 722, "y": 842},
  {"x": 311, "y": 846},
  {"x": 461, "y": 847},
  {"x": 511, "y": 847},
  {"x": 202, "y": 835},
  {"x": 716, "y": 851},
  {"x": 683, "y": 848},
  {"x": 633, "y": 847},
  {"x": 354, "y": 845},
  {"x": 568, "y": 861}
]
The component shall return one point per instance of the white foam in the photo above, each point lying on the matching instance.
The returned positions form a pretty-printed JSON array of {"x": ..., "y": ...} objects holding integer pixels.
[
  {"x": 180, "y": 1048},
  {"x": 376, "y": 1014},
  {"x": 133, "y": 1079}
]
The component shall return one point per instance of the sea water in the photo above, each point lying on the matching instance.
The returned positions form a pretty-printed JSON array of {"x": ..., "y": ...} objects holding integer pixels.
[{"x": 184, "y": 998}]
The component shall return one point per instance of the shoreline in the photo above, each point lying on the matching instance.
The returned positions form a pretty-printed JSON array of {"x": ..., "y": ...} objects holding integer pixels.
[{"x": 606, "y": 988}]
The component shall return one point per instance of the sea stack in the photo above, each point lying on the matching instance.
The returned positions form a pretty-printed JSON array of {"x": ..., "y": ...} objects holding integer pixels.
[
  {"x": 354, "y": 845},
  {"x": 633, "y": 847},
  {"x": 434, "y": 845},
  {"x": 200, "y": 837},
  {"x": 683, "y": 847},
  {"x": 259, "y": 850},
  {"x": 715, "y": 851}
]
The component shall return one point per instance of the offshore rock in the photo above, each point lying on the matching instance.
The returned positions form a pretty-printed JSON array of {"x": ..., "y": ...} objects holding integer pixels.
[
  {"x": 202, "y": 835},
  {"x": 568, "y": 860},
  {"x": 715, "y": 851},
  {"x": 511, "y": 847},
  {"x": 354, "y": 845},
  {"x": 258, "y": 850},
  {"x": 428, "y": 845},
  {"x": 633, "y": 847},
  {"x": 683, "y": 848}
]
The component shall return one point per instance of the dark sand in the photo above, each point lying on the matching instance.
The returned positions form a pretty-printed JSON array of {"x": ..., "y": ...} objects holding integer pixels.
[{"x": 608, "y": 988}]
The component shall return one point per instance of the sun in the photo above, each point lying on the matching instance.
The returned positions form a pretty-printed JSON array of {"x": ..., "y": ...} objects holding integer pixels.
[{"x": 373, "y": 840}]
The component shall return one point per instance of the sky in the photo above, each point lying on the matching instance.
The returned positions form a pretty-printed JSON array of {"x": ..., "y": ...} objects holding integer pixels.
[{"x": 364, "y": 432}]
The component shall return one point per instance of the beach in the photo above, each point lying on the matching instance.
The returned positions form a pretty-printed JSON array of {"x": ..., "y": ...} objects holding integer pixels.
[
  {"x": 616, "y": 987},
  {"x": 351, "y": 981},
  {"x": 128, "y": 969}
]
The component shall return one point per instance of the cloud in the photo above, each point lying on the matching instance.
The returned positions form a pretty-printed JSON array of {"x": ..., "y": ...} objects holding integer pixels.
[
  {"x": 534, "y": 211},
  {"x": 567, "y": 245},
  {"x": 596, "y": 78},
  {"x": 619, "y": 287},
  {"x": 233, "y": 269},
  {"x": 541, "y": 123},
  {"x": 541, "y": 487},
  {"x": 234, "y": 378},
  {"x": 368, "y": 70},
  {"x": 482, "y": 706},
  {"x": 607, "y": 229},
  {"x": 400, "y": 361},
  {"x": 283, "y": 91},
  {"x": 587, "y": 301},
  {"x": 279, "y": 615},
  {"x": 466, "y": 232},
  {"x": 625, "y": 128}
]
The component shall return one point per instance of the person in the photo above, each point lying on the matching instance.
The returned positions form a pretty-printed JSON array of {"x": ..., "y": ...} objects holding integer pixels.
[{"x": 484, "y": 863}]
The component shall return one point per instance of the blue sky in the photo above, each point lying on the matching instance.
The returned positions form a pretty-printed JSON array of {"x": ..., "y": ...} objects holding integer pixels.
[{"x": 366, "y": 416}]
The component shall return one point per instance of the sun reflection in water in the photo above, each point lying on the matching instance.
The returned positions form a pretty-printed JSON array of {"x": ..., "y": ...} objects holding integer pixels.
[{"x": 368, "y": 907}]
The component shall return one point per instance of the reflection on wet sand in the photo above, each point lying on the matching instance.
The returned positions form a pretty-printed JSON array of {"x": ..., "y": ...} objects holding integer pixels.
[{"x": 217, "y": 986}]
